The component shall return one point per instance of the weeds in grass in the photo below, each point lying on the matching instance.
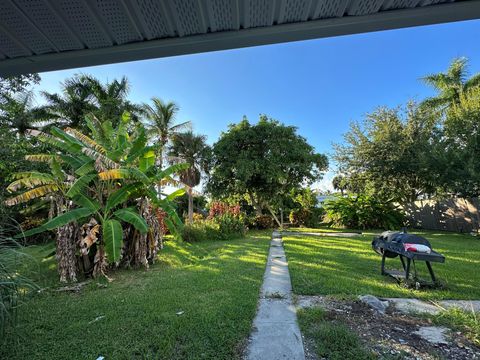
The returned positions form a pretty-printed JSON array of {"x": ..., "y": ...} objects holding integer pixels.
[
  {"x": 467, "y": 322},
  {"x": 332, "y": 340},
  {"x": 12, "y": 285}
]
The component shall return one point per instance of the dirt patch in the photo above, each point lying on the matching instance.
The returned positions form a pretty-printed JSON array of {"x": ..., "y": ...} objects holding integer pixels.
[{"x": 391, "y": 335}]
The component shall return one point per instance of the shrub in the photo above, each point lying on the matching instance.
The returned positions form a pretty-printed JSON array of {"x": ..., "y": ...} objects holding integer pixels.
[
  {"x": 363, "y": 211},
  {"x": 218, "y": 208},
  {"x": 193, "y": 233},
  {"x": 219, "y": 228},
  {"x": 263, "y": 222},
  {"x": 197, "y": 217},
  {"x": 231, "y": 225},
  {"x": 306, "y": 217}
]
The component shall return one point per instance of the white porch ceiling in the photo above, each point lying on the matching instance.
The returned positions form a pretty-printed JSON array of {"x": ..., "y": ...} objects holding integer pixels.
[{"x": 43, "y": 35}]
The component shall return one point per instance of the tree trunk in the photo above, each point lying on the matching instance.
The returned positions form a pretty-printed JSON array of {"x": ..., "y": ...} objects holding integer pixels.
[
  {"x": 275, "y": 217},
  {"x": 142, "y": 249},
  {"x": 255, "y": 204},
  {"x": 67, "y": 236},
  {"x": 190, "y": 204}
]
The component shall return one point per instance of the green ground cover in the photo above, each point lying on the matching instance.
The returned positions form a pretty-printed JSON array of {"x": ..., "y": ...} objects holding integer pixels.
[
  {"x": 198, "y": 302},
  {"x": 331, "y": 340},
  {"x": 343, "y": 266}
]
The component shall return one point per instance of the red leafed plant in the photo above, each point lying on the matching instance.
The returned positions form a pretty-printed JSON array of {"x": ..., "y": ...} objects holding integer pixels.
[{"x": 218, "y": 208}]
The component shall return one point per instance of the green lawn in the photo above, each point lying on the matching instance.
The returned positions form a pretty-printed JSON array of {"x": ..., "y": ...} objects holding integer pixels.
[
  {"x": 214, "y": 284},
  {"x": 349, "y": 267}
]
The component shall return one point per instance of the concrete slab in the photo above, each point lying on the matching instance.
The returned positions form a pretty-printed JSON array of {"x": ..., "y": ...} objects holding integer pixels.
[
  {"x": 275, "y": 310},
  {"x": 433, "y": 334},
  {"x": 409, "y": 306},
  {"x": 276, "y": 334},
  {"x": 466, "y": 305},
  {"x": 275, "y": 341}
]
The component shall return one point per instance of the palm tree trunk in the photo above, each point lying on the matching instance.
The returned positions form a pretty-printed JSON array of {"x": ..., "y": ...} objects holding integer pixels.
[{"x": 190, "y": 204}]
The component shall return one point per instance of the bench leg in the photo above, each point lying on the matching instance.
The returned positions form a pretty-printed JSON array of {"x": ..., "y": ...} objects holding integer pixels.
[
  {"x": 407, "y": 270},
  {"x": 383, "y": 264},
  {"x": 430, "y": 270}
]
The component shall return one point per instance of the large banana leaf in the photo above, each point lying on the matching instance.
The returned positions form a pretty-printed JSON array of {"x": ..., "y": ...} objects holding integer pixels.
[
  {"x": 80, "y": 184},
  {"x": 72, "y": 215},
  {"x": 171, "y": 170},
  {"x": 87, "y": 202},
  {"x": 46, "y": 158},
  {"x": 175, "y": 194},
  {"x": 74, "y": 143},
  {"x": 113, "y": 239},
  {"x": 122, "y": 195},
  {"x": 86, "y": 140},
  {"x": 32, "y": 194},
  {"x": 30, "y": 179},
  {"x": 132, "y": 217},
  {"x": 124, "y": 173},
  {"x": 138, "y": 145},
  {"x": 147, "y": 160},
  {"x": 86, "y": 168}
]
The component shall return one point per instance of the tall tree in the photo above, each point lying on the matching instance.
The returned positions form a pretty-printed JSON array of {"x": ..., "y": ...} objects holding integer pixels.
[
  {"x": 263, "y": 162},
  {"x": 391, "y": 153},
  {"x": 12, "y": 85},
  {"x": 160, "y": 123},
  {"x": 450, "y": 85},
  {"x": 111, "y": 98},
  {"x": 18, "y": 113},
  {"x": 72, "y": 104},
  {"x": 193, "y": 150}
]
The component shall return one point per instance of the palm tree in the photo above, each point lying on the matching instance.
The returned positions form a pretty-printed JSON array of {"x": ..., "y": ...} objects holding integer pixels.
[
  {"x": 19, "y": 114},
  {"x": 160, "y": 123},
  {"x": 72, "y": 104},
  {"x": 191, "y": 149},
  {"x": 450, "y": 84},
  {"x": 110, "y": 98}
]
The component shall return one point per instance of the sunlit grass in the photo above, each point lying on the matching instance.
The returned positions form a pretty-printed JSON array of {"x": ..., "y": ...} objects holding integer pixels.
[
  {"x": 214, "y": 286},
  {"x": 348, "y": 266}
]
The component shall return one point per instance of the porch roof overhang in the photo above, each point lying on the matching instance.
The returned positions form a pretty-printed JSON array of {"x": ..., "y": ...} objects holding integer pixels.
[{"x": 44, "y": 35}]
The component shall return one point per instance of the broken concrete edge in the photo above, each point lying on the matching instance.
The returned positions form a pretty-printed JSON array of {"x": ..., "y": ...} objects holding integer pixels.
[{"x": 411, "y": 306}]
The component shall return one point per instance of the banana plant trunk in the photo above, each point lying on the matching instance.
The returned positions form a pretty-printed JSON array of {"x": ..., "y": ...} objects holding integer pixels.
[
  {"x": 139, "y": 249},
  {"x": 67, "y": 236}
]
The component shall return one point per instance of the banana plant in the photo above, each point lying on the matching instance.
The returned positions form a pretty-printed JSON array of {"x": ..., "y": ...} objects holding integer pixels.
[{"x": 111, "y": 169}]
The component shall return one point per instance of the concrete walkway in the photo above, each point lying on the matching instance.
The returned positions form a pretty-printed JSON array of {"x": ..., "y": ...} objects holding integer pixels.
[{"x": 276, "y": 334}]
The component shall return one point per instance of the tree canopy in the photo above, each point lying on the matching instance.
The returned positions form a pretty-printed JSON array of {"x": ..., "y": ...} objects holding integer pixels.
[{"x": 262, "y": 162}]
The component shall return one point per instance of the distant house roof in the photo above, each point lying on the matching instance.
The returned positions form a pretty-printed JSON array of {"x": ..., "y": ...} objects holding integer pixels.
[{"x": 42, "y": 35}]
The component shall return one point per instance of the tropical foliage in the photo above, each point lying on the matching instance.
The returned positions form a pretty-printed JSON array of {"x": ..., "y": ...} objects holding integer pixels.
[
  {"x": 363, "y": 212},
  {"x": 102, "y": 182},
  {"x": 13, "y": 286},
  {"x": 263, "y": 162},
  {"x": 427, "y": 149},
  {"x": 192, "y": 150}
]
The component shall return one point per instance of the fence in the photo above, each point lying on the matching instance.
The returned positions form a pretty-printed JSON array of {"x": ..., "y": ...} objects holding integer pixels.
[{"x": 460, "y": 215}]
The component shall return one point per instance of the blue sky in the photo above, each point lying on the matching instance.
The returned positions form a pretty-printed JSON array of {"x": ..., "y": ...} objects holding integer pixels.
[{"x": 317, "y": 85}]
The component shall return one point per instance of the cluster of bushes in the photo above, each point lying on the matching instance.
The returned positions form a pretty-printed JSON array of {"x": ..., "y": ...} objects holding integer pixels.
[
  {"x": 310, "y": 217},
  {"x": 363, "y": 211},
  {"x": 260, "y": 222},
  {"x": 223, "y": 222}
]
